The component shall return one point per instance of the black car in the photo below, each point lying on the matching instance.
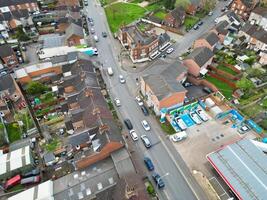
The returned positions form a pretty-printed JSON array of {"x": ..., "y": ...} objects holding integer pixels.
[
  {"x": 90, "y": 19},
  {"x": 200, "y": 23},
  {"x": 207, "y": 90},
  {"x": 158, "y": 180},
  {"x": 104, "y": 34},
  {"x": 144, "y": 110},
  {"x": 34, "y": 172},
  {"x": 128, "y": 124}
]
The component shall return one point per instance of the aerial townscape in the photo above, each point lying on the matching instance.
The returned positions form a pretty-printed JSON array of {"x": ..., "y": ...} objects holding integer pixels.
[{"x": 133, "y": 99}]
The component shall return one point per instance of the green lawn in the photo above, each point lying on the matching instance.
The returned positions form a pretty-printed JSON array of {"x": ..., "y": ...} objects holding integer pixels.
[
  {"x": 225, "y": 89},
  {"x": 190, "y": 21},
  {"x": 154, "y": 6},
  {"x": 53, "y": 145},
  {"x": 122, "y": 14},
  {"x": 252, "y": 111},
  {"x": 226, "y": 69},
  {"x": 160, "y": 14},
  {"x": 13, "y": 131}
]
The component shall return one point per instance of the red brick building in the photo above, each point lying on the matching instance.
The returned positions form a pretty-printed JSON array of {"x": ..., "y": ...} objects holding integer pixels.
[
  {"x": 8, "y": 56},
  {"x": 175, "y": 18},
  {"x": 9, "y": 6},
  {"x": 243, "y": 7}
]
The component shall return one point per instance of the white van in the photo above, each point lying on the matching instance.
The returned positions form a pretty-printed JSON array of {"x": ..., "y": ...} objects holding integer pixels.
[
  {"x": 110, "y": 71},
  {"x": 96, "y": 38},
  {"x": 178, "y": 136}
]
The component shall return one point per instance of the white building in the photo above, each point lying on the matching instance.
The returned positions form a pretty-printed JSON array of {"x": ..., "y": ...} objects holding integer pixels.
[{"x": 259, "y": 16}]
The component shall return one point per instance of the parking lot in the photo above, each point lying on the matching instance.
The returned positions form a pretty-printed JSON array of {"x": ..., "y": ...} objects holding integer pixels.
[{"x": 205, "y": 138}]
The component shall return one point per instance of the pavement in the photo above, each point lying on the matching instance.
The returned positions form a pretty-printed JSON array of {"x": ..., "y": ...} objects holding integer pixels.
[{"x": 180, "y": 184}]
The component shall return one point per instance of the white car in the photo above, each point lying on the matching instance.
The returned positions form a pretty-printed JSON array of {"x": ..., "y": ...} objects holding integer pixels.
[
  {"x": 139, "y": 101},
  {"x": 121, "y": 78},
  {"x": 178, "y": 136},
  {"x": 170, "y": 50},
  {"x": 133, "y": 135},
  {"x": 117, "y": 102},
  {"x": 202, "y": 115},
  {"x": 145, "y": 125},
  {"x": 180, "y": 123},
  {"x": 210, "y": 13},
  {"x": 195, "y": 118}
]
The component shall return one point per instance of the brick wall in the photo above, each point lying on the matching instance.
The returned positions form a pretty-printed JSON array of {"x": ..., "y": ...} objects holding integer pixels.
[
  {"x": 202, "y": 82},
  {"x": 228, "y": 82}
]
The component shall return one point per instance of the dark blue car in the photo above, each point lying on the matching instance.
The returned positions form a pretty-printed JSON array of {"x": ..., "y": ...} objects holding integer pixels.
[
  {"x": 149, "y": 164},
  {"x": 158, "y": 180}
]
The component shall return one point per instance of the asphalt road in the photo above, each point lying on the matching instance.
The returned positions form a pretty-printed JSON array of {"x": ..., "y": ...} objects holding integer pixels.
[{"x": 180, "y": 185}]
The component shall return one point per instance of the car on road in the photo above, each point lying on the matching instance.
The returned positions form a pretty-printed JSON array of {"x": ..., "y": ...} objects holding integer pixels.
[
  {"x": 178, "y": 136},
  {"x": 92, "y": 30},
  {"x": 96, "y": 38},
  {"x": 148, "y": 163},
  {"x": 170, "y": 50},
  {"x": 195, "y": 118},
  {"x": 91, "y": 23},
  {"x": 117, "y": 102},
  {"x": 139, "y": 101},
  {"x": 104, "y": 34},
  {"x": 133, "y": 135},
  {"x": 122, "y": 79},
  {"x": 200, "y": 23},
  {"x": 158, "y": 180},
  {"x": 128, "y": 124},
  {"x": 163, "y": 56},
  {"x": 195, "y": 27},
  {"x": 180, "y": 123},
  {"x": 144, "y": 110},
  {"x": 90, "y": 19},
  {"x": 145, "y": 125},
  {"x": 202, "y": 115},
  {"x": 146, "y": 141},
  {"x": 110, "y": 71},
  {"x": 210, "y": 13},
  {"x": 187, "y": 84},
  {"x": 223, "y": 9}
]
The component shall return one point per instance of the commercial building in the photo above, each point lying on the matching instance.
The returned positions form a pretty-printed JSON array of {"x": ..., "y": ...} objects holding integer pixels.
[{"x": 242, "y": 166}]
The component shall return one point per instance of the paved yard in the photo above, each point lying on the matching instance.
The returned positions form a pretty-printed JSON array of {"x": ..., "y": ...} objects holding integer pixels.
[
  {"x": 203, "y": 139},
  {"x": 173, "y": 36}
]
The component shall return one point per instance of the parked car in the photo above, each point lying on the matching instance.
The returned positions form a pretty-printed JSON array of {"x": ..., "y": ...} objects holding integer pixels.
[
  {"x": 91, "y": 23},
  {"x": 117, "y": 102},
  {"x": 202, "y": 115},
  {"x": 178, "y": 136},
  {"x": 187, "y": 84},
  {"x": 92, "y": 30},
  {"x": 180, "y": 123},
  {"x": 243, "y": 129},
  {"x": 20, "y": 60},
  {"x": 145, "y": 125},
  {"x": 139, "y": 101},
  {"x": 133, "y": 135},
  {"x": 104, "y": 34},
  {"x": 144, "y": 110},
  {"x": 90, "y": 19},
  {"x": 148, "y": 163},
  {"x": 195, "y": 27},
  {"x": 170, "y": 50},
  {"x": 121, "y": 78},
  {"x": 163, "y": 55},
  {"x": 110, "y": 71},
  {"x": 128, "y": 124},
  {"x": 96, "y": 38},
  {"x": 207, "y": 90},
  {"x": 223, "y": 9},
  {"x": 158, "y": 180},
  {"x": 146, "y": 141},
  {"x": 210, "y": 13},
  {"x": 195, "y": 118},
  {"x": 200, "y": 23},
  {"x": 30, "y": 180},
  {"x": 34, "y": 172}
]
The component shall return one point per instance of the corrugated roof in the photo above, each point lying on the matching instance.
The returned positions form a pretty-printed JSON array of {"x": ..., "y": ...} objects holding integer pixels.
[{"x": 243, "y": 167}]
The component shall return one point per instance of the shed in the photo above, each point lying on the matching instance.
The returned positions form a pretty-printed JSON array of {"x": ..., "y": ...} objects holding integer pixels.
[
  {"x": 215, "y": 110},
  {"x": 209, "y": 103}
]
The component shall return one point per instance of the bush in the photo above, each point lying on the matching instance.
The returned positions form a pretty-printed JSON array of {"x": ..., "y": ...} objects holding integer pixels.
[
  {"x": 249, "y": 61},
  {"x": 35, "y": 88},
  {"x": 150, "y": 190}
]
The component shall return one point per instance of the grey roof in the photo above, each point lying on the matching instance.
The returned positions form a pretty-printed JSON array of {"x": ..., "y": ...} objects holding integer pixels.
[
  {"x": 5, "y": 50},
  {"x": 200, "y": 55},
  {"x": 178, "y": 13},
  {"x": 244, "y": 167},
  {"x": 94, "y": 180},
  {"x": 232, "y": 16},
  {"x": 74, "y": 29},
  {"x": 139, "y": 36},
  {"x": 49, "y": 157},
  {"x": 15, "y": 2},
  {"x": 248, "y": 3},
  {"x": 260, "y": 11},
  {"x": 221, "y": 27},
  {"x": 163, "y": 38},
  {"x": 211, "y": 38},
  {"x": 255, "y": 31},
  {"x": 7, "y": 83},
  {"x": 52, "y": 40},
  {"x": 82, "y": 137}
]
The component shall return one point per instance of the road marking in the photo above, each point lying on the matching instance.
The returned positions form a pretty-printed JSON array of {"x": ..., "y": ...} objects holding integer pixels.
[{"x": 178, "y": 167}]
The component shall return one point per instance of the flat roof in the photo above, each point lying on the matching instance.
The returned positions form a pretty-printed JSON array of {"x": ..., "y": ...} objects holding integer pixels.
[
  {"x": 243, "y": 166},
  {"x": 22, "y": 72},
  {"x": 41, "y": 191},
  {"x": 15, "y": 159}
]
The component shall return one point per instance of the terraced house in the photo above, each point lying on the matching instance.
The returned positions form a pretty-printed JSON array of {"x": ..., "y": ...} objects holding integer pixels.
[
  {"x": 7, "y": 6},
  {"x": 243, "y": 7}
]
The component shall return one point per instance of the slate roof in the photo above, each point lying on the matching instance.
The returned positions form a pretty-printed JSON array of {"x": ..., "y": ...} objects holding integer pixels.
[
  {"x": 5, "y": 50},
  {"x": 82, "y": 137},
  {"x": 200, "y": 55},
  {"x": 255, "y": 31},
  {"x": 221, "y": 27},
  {"x": 4, "y": 3},
  {"x": 211, "y": 38},
  {"x": 74, "y": 29},
  {"x": 138, "y": 36},
  {"x": 243, "y": 167},
  {"x": 232, "y": 16},
  {"x": 261, "y": 11},
  {"x": 163, "y": 38},
  {"x": 178, "y": 13},
  {"x": 164, "y": 83},
  {"x": 7, "y": 83}
]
